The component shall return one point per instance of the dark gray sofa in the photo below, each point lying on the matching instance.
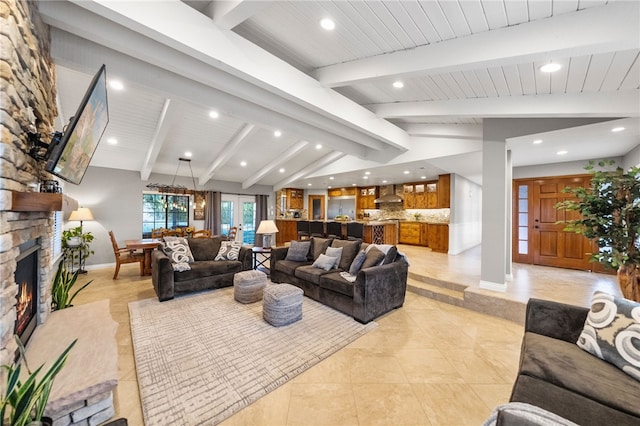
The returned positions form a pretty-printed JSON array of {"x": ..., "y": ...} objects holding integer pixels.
[
  {"x": 205, "y": 273},
  {"x": 555, "y": 374},
  {"x": 376, "y": 290}
]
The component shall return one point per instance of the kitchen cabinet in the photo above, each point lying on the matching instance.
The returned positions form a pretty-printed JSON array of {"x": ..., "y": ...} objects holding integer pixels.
[
  {"x": 444, "y": 192},
  {"x": 409, "y": 198},
  {"x": 419, "y": 195},
  {"x": 410, "y": 233},
  {"x": 294, "y": 199},
  {"x": 287, "y": 231},
  {"x": 341, "y": 192},
  {"x": 365, "y": 199},
  {"x": 438, "y": 237}
]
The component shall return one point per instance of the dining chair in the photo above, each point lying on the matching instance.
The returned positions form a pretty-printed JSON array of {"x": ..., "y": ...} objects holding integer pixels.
[
  {"x": 231, "y": 235},
  {"x": 202, "y": 233},
  {"x": 173, "y": 233},
  {"x": 124, "y": 255},
  {"x": 158, "y": 232}
]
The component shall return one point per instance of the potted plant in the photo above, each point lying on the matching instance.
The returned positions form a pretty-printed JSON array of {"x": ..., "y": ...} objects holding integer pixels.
[
  {"x": 63, "y": 282},
  {"x": 24, "y": 402},
  {"x": 76, "y": 245},
  {"x": 610, "y": 210}
]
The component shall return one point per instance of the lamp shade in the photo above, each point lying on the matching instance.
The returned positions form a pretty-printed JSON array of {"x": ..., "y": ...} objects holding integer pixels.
[
  {"x": 267, "y": 227},
  {"x": 83, "y": 213}
]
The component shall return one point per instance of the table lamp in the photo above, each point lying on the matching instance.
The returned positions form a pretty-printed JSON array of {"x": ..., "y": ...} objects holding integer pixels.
[
  {"x": 266, "y": 228},
  {"x": 82, "y": 214}
]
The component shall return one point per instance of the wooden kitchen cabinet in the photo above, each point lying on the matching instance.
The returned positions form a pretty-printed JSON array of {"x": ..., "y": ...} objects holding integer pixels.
[
  {"x": 424, "y": 234},
  {"x": 409, "y": 233},
  {"x": 444, "y": 191},
  {"x": 287, "y": 231},
  {"x": 438, "y": 237},
  {"x": 294, "y": 198},
  {"x": 341, "y": 192},
  {"x": 365, "y": 198},
  {"x": 409, "y": 196}
]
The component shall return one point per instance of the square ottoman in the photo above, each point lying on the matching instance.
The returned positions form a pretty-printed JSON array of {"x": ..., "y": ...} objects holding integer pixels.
[
  {"x": 282, "y": 304},
  {"x": 248, "y": 286}
]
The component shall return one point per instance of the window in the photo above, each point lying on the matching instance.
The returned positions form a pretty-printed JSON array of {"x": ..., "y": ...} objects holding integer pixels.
[{"x": 164, "y": 211}]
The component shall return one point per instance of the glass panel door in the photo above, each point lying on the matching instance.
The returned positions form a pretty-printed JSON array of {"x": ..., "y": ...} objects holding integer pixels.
[{"x": 239, "y": 211}]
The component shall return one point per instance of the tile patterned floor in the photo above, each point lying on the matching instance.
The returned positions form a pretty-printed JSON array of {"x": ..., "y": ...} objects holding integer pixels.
[{"x": 428, "y": 363}]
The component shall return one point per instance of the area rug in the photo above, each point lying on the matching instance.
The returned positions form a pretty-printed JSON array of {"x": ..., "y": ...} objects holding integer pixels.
[{"x": 201, "y": 358}]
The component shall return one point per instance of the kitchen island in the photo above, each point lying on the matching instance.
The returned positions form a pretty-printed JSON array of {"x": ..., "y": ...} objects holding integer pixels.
[{"x": 377, "y": 232}]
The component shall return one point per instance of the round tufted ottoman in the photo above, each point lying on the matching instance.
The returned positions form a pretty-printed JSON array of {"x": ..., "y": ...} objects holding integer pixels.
[
  {"x": 248, "y": 286},
  {"x": 282, "y": 304}
]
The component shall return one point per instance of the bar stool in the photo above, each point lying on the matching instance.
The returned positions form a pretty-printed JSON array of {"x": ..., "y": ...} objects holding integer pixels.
[
  {"x": 316, "y": 228},
  {"x": 355, "y": 231},
  {"x": 334, "y": 230},
  {"x": 303, "y": 229}
]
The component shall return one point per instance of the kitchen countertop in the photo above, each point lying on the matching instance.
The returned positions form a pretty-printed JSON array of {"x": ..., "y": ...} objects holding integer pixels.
[{"x": 373, "y": 222}]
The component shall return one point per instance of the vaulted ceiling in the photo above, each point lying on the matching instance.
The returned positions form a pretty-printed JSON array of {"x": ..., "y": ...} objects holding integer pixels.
[{"x": 267, "y": 66}]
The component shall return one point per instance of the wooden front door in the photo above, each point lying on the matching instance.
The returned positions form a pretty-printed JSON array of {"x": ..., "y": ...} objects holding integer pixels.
[{"x": 540, "y": 224}]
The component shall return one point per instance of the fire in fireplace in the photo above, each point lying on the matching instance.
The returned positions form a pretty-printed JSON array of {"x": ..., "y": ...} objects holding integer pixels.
[{"x": 26, "y": 278}]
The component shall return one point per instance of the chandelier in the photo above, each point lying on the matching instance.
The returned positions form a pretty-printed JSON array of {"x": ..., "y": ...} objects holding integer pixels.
[{"x": 180, "y": 189}]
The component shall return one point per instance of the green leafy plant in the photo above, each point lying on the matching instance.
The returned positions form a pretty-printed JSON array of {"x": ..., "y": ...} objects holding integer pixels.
[
  {"x": 25, "y": 401},
  {"x": 610, "y": 210},
  {"x": 83, "y": 247},
  {"x": 63, "y": 283}
]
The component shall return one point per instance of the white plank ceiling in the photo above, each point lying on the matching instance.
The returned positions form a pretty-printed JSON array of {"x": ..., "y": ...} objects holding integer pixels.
[{"x": 268, "y": 65}]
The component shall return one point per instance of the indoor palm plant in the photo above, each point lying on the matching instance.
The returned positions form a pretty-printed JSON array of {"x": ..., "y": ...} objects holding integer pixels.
[
  {"x": 24, "y": 402},
  {"x": 63, "y": 283},
  {"x": 610, "y": 209}
]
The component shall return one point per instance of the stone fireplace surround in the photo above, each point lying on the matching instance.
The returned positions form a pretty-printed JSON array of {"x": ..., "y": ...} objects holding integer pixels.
[{"x": 27, "y": 79}]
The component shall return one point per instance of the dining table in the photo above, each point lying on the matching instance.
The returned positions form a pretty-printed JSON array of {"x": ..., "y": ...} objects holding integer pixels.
[{"x": 146, "y": 245}]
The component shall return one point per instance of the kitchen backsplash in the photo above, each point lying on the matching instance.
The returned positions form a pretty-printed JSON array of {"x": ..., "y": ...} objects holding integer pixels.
[{"x": 396, "y": 211}]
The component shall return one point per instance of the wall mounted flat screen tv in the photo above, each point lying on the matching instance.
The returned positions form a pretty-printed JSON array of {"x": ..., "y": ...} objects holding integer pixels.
[{"x": 72, "y": 153}]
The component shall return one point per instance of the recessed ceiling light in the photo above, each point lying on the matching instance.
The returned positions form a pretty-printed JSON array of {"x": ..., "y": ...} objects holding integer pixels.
[
  {"x": 308, "y": 184},
  {"x": 353, "y": 184},
  {"x": 537, "y": 142},
  {"x": 112, "y": 141},
  {"x": 331, "y": 178},
  {"x": 550, "y": 67},
  {"x": 398, "y": 84},
  {"x": 423, "y": 177},
  {"x": 617, "y": 129},
  {"x": 406, "y": 172},
  {"x": 365, "y": 177},
  {"x": 116, "y": 85},
  {"x": 367, "y": 173},
  {"x": 277, "y": 133},
  {"x": 214, "y": 114},
  {"x": 188, "y": 154},
  {"x": 327, "y": 24},
  {"x": 243, "y": 163},
  {"x": 563, "y": 152},
  {"x": 329, "y": 187},
  {"x": 319, "y": 146},
  {"x": 281, "y": 170},
  {"x": 384, "y": 181}
]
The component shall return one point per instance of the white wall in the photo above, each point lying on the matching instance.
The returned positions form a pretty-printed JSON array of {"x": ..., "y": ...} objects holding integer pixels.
[
  {"x": 632, "y": 159},
  {"x": 115, "y": 199},
  {"x": 555, "y": 169},
  {"x": 465, "y": 221}
]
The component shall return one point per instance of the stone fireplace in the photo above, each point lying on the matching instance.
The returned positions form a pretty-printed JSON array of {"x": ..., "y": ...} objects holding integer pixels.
[
  {"x": 26, "y": 278},
  {"x": 27, "y": 78}
]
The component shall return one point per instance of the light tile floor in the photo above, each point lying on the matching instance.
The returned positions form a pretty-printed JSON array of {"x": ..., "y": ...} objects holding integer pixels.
[{"x": 428, "y": 363}]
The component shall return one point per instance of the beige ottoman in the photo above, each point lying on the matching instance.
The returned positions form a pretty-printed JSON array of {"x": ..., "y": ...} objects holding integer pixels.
[
  {"x": 248, "y": 286},
  {"x": 282, "y": 304}
]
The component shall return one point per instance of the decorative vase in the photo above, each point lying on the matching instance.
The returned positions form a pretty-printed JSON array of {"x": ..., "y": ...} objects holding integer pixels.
[{"x": 628, "y": 280}]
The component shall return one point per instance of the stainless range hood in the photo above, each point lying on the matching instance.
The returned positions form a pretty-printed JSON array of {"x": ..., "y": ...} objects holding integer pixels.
[{"x": 389, "y": 196}]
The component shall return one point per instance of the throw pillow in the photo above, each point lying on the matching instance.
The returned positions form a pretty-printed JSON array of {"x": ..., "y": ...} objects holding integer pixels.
[
  {"x": 178, "y": 250},
  {"x": 334, "y": 252},
  {"x": 298, "y": 251},
  {"x": 349, "y": 252},
  {"x": 390, "y": 256},
  {"x": 318, "y": 246},
  {"x": 611, "y": 332},
  {"x": 229, "y": 250},
  {"x": 356, "y": 265},
  {"x": 324, "y": 262},
  {"x": 374, "y": 257}
]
